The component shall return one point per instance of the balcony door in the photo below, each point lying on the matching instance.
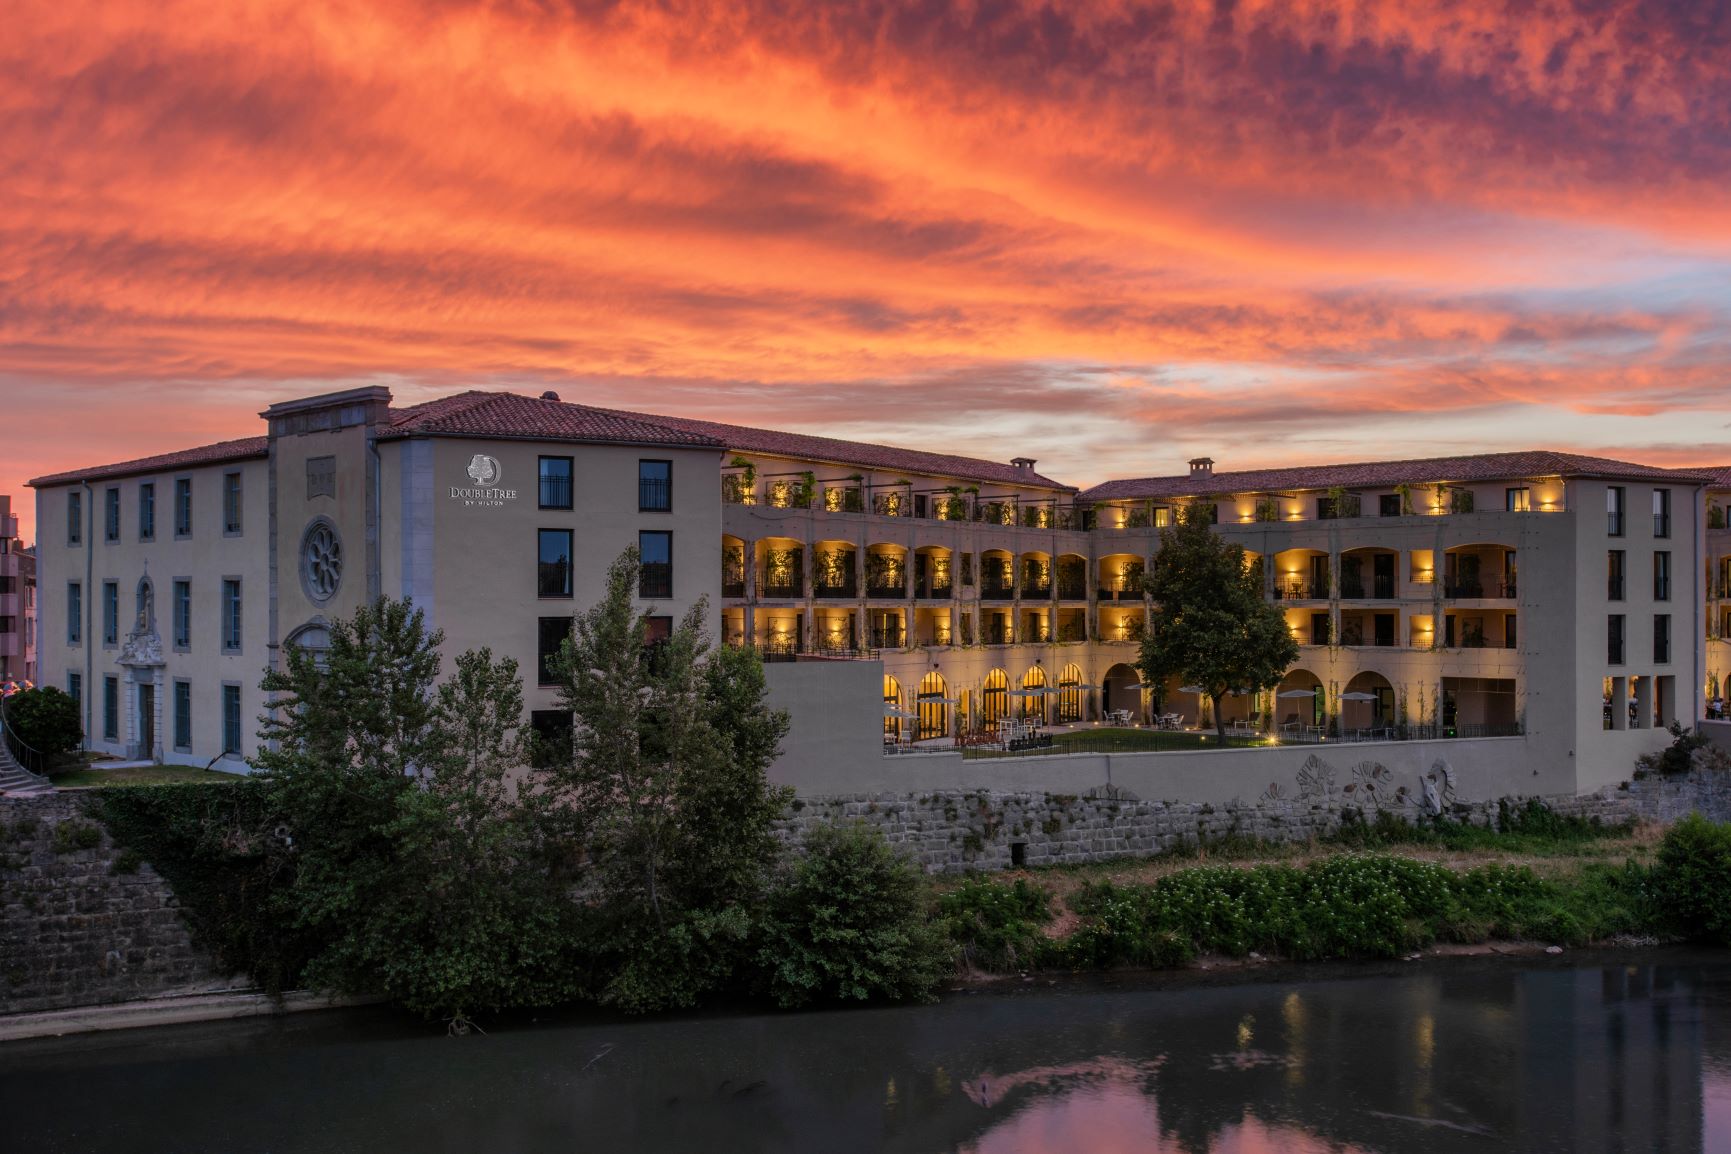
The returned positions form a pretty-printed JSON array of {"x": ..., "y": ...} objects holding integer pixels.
[{"x": 1382, "y": 573}]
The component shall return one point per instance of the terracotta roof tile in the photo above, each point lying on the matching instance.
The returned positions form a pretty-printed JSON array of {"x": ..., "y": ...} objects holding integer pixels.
[
  {"x": 863, "y": 454},
  {"x": 220, "y": 453},
  {"x": 509, "y": 415},
  {"x": 1718, "y": 475},
  {"x": 1371, "y": 474}
]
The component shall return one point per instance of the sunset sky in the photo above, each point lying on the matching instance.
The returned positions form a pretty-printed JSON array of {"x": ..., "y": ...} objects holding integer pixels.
[{"x": 1106, "y": 236}]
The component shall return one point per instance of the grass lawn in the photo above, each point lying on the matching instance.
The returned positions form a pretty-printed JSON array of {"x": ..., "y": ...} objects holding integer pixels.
[{"x": 92, "y": 776}]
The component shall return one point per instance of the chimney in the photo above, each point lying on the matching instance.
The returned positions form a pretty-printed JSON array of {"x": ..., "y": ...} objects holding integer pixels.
[
  {"x": 549, "y": 395},
  {"x": 1023, "y": 464},
  {"x": 1201, "y": 467}
]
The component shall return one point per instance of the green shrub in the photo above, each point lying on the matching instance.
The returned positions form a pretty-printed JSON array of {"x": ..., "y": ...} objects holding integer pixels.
[
  {"x": 1691, "y": 883},
  {"x": 996, "y": 926},
  {"x": 46, "y": 719},
  {"x": 72, "y": 836},
  {"x": 849, "y": 921},
  {"x": 1679, "y": 756}
]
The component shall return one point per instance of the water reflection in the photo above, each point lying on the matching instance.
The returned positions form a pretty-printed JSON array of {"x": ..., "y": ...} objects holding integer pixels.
[{"x": 1602, "y": 1058}]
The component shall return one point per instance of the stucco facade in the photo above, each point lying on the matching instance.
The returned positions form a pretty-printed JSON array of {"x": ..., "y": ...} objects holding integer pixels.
[{"x": 1457, "y": 597}]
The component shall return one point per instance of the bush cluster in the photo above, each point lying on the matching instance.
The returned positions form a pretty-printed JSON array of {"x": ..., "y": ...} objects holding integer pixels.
[
  {"x": 997, "y": 926},
  {"x": 1691, "y": 881}
]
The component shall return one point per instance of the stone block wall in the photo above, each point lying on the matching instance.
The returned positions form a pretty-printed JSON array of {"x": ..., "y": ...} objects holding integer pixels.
[
  {"x": 74, "y": 930},
  {"x": 954, "y": 831}
]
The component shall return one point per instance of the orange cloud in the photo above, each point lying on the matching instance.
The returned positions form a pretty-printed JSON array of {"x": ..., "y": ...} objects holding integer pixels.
[{"x": 891, "y": 219}]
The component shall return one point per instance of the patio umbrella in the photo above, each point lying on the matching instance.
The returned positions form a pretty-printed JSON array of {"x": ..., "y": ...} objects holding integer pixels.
[
  {"x": 1297, "y": 693},
  {"x": 1358, "y": 695},
  {"x": 1191, "y": 689},
  {"x": 1037, "y": 691},
  {"x": 940, "y": 701},
  {"x": 897, "y": 711}
]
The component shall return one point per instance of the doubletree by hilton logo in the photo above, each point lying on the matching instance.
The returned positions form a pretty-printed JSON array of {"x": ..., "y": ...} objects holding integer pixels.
[{"x": 485, "y": 472}]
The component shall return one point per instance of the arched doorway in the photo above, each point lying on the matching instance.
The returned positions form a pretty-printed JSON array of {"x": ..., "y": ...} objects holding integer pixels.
[
  {"x": 1367, "y": 705},
  {"x": 934, "y": 708},
  {"x": 1300, "y": 700},
  {"x": 1121, "y": 688},
  {"x": 892, "y": 707},
  {"x": 1069, "y": 695},
  {"x": 1034, "y": 697},
  {"x": 994, "y": 698}
]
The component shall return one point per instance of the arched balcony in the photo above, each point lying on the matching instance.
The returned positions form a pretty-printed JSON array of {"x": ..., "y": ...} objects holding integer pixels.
[
  {"x": 886, "y": 568},
  {"x": 834, "y": 571},
  {"x": 1301, "y": 575}
]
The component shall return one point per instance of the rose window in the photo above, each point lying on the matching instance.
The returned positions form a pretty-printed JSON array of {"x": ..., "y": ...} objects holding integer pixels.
[{"x": 322, "y": 561}]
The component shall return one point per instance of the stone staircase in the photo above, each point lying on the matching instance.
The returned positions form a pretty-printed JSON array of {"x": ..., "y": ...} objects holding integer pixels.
[{"x": 15, "y": 780}]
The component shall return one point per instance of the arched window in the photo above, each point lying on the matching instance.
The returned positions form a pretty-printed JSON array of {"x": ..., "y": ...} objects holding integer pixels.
[
  {"x": 1033, "y": 696},
  {"x": 1069, "y": 694},
  {"x": 934, "y": 707},
  {"x": 995, "y": 697},
  {"x": 892, "y": 708}
]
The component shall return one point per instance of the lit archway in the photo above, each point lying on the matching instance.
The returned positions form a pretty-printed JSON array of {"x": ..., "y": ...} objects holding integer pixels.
[
  {"x": 1121, "y": 689},
  {"x": 1069, "y": 694},
  {"x": 994, "y": 698},
  {"x": 934, "y": 707},
  {"x": 892, "y": 705},
  {"x": 1034, "y": 698}
]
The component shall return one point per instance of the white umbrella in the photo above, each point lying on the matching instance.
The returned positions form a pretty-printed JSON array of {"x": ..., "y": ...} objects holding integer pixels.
[
  {"x": 1358, "y": 695},
  {"x": 1297, "y": 693},
  {"x": 1037, "y": 691},
  {"x": 896, "y": 711},
  {"x": 940, "y": 701},
  {"x": 1191, "y": 689}
]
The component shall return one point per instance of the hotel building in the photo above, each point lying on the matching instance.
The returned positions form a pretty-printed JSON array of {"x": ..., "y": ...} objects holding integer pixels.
[
  {"x": 17, "y": 601},
  {"x": 1544, "y": 594}
]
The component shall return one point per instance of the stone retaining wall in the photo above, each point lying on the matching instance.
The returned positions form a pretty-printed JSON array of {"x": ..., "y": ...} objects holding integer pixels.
[
  {"x": 954, "y": 831},
  {"x": 73, "y": 930}
]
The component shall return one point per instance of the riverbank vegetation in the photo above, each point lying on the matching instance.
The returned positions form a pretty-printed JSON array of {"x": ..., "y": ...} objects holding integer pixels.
[{"x": 391, "y": 844}]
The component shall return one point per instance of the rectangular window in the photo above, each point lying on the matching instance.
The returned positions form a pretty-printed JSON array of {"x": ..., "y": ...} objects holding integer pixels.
[
  {"x": 231, "y": 614},
  {"x": 183, "y": 507},
  {"x": 655, "y": 578},
  {"x": 75, "y": 518},
  {"x": 74, "y": 613},
  {"x": 550, "y": 634},
  {"x": 555, "y": 482},
  {"x": 1614, "y": 505},
  {"x": 231, "y": 719},
  {"x": 1518, "y": 500},
  {"x": 1662, "y": 575},
  {"x": 1509, "y": 634},
  {"x": 183, "y": 614},
  {"x": 111, "y": 708},
  {"x": 1614, "y": 575},
  {"x": 552, "y": 745},
  {"x": 183, "y": 715},
  {"x": 1614, "y": 639},
  {"x": 1661, "y": 638},
  {"x": 110, "y": 613},
  {"x": 147, "y": 511},
  {"x": 655, "y": 486},
  {"x": 75, "y": 689},
  {"x": 1661, "y": 512},
  {"x": 967, "y": 570},
  {"x": 553, "y": 565},
  {"x": 1388, "y": 505},
  {"x": 657, "y": 629},
  {"x": 111, "y": 514},
  {"x": 231, "y": 503}
]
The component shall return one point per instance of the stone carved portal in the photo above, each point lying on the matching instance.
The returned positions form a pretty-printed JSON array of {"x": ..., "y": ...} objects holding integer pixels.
[{"x": 141, "y": 657}]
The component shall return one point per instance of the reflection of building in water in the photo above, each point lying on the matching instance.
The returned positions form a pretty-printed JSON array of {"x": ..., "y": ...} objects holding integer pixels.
[{"x": 1611, "y": 1059}]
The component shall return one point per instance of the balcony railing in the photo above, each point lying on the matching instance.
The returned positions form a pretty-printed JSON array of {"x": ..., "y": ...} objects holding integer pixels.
[
  {"x": 1355, "y": 635},
  {"x": 934, "y": 592},
  {"x": 1037, "y": 590},
  {"x": 654, "y": 494},
  {"x": 885, "y": 589},
  {"x": 1380, "y": 589},
  {"x": 1299, "y": 591},
  {"x": 1468, "y": 590},
  {"x": 995, "y": 634},
  {"x": 655, "y": 579},
  {"x": 733, "y": 589},
  {"x": 997, "y": 591},
  {"x": 888, "y": 638},
  {"x": 781, "y": 587},
  {"x": 1072, "y": 590},
  {"x": 847, "y": 590}
]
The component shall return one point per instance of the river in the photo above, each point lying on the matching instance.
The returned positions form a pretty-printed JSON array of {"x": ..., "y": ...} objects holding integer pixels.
[{"x": 1619, "y": 1053}]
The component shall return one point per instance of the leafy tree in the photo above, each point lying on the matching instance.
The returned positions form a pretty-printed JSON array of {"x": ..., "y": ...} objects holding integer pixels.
[
  {"x": 666, "y": 777},
  {"x": 851, "y": 922},
  {"x": 46, "y": 720},
  {"x": 1211, "y": 626},
  {"x": 415, "y": 863}
]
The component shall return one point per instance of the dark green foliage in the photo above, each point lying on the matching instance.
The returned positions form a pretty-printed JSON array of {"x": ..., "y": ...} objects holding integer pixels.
[
  {"x": 998, "y": 926},
  {"x": 665, "y": 787},
  {"x": 72, "y": 836},
  {"x": 1211, "y": 626},
  {"x": 416, "y": 868},
  {"x": 1691, "y": 881},
  {"x": 46, "y": 720},
  {"x": 1679, "y": 756},
  {"x": 849, "y": 922},
  {"x": 218, "y": 848},
  {"x": 1349, "y": 905},
  {"x": 1530, "y": 827}
]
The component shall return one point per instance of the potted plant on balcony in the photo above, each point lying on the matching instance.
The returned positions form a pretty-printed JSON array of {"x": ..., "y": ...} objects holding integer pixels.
[
  {"x": 1715, "y": 516},
  {"x": 953, "y": 507},
  {"x": 740, "y": 488},
  {"x": 1460, "y": 500},
  {"x": 1404, "y": 492},
  {"x": 806, "y": 490},
  {"x": 1267, "y": 509}
]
